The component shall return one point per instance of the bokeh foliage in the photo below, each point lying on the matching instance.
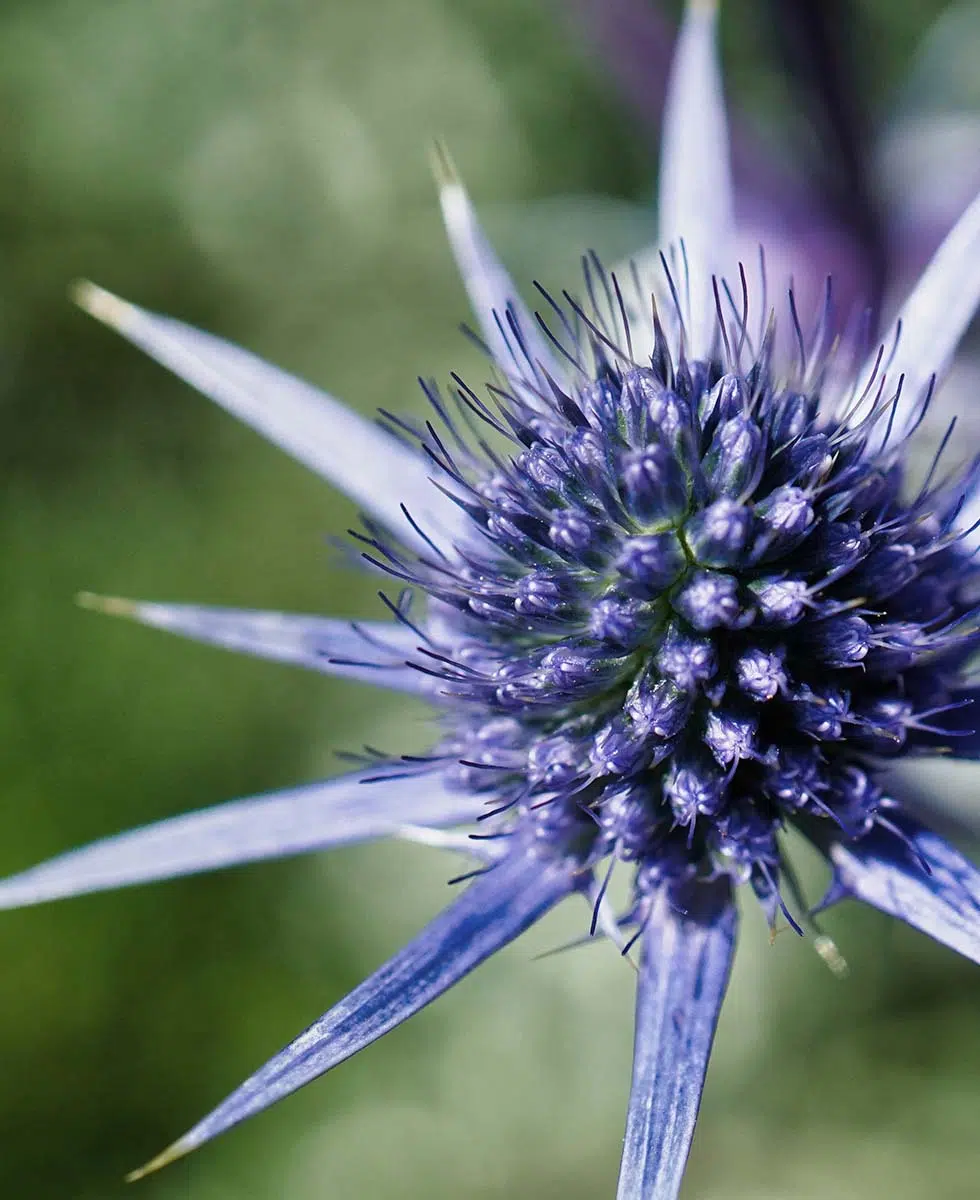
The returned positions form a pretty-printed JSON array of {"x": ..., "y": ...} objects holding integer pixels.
[{"x": 259, "y": 167}]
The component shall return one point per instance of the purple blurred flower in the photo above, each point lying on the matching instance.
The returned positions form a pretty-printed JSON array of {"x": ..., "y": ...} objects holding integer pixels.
[
  {"x": 694, "y": 605},
  {"x": 870, "y": 212}
]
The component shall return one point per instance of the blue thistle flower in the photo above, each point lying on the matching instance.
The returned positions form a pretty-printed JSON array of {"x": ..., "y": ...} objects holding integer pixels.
[{"x": 680, "y": 597}]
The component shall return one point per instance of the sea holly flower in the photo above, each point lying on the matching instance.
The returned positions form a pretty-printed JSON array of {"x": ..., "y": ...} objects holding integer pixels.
[{"x": 670, "y": 604}]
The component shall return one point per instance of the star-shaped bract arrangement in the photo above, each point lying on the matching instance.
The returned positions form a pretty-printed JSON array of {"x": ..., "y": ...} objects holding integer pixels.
[{"x": 673, "y": 596}]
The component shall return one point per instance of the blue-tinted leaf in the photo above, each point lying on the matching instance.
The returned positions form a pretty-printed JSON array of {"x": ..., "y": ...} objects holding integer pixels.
[
  {"x": 493, "y": 911},
  {"x": 687, "y": 960},
  {"x": 940, "y": 895},
  {"x": 495, "y": 301},
  {"x": 368, "y": 651},
  {"x": 931, "y": 324},
  {"x": 273, "y": 825},
  {"x": 696, "y": 196},
  {"x": 369, "y": 465}
]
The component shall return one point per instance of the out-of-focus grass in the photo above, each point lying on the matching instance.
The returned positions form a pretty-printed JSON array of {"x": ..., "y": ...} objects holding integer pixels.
[{"x": 259, "y": 168}]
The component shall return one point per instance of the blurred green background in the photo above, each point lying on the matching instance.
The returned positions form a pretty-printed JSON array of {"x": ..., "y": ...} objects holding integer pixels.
[{"x": 258, "y": 167}]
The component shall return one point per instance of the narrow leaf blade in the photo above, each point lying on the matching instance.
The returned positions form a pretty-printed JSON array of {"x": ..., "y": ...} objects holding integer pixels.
[
  {"x": 493, "y": 911},
  {"x": 373, "y": 468},
  {"x": 939, "y": 895},
  {"x": 274, "y": 825},
  {"x": 369, "y": 651},
  {"x": 687, "y": 960}
]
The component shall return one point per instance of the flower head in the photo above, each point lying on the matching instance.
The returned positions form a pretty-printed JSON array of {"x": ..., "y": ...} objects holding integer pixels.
[{"x": 680, "y": 597}]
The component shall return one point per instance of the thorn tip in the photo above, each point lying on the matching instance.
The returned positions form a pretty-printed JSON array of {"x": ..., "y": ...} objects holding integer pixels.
[
  {"x": 114, "y": 606},
  {"x": 177, "y": 1150},
  {"x": 103, "y": 305}
]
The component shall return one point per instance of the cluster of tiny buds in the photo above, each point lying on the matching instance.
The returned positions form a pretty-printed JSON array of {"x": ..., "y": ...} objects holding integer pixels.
[{"x": 691, "y": 611}]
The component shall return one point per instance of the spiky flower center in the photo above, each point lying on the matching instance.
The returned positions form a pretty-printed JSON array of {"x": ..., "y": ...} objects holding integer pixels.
[{"x": 693, "y": 610}]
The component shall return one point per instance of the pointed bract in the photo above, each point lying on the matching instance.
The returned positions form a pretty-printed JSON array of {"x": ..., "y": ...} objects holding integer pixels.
[
  {"x": 273, "y": 825},
  {"x": 368, "y": 651},
  {"x": 491, "y": 291},
  {"x": 687, "y": 959},
  {"x": 939, "y": 895},
  {"x": 370, "y": 466},
  {"x": 696, "y": 205},
  {"x": 931, "y": 323},
  {"x": 493, "y": 911}
]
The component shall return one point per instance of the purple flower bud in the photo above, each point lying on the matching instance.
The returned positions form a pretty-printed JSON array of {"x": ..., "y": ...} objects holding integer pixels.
[
  {"x": 492, "y": 609},
  {"x": 730, "y": 737},
  {"x": 686, "y": 659},
  {"x": 785, "y": 517},
  {"x": 557, "y": 761},
  {"x": 588, "y": 450},
  {"x": 667, "y": 863},
  {"x": 727, "y": 399},
  {"x": 810, "y": 458},
  {"x": 545, "y": 467},
  {"x": 600, "y": 401},
  {"x": 651, "y": 562},
  {"x": 643, "y": 616},
  {"x": 884, "y": 723},
  {"x": 498, "y": 491},
  {"x": 839, "y": 544},
  {"x": 717, "y": 535},
  {"x": 871, "y": 489},
  {"x": 573, "y": 533},
  {"x": 744, "y": 837},
  {"x": 694, "y": 788},
  {"x": 760, "y": 673},
  {"x": 498, "y": 742},
  {"x": 621, "y": 620},
  {"x": 516, "y": 694},
  {"x": 654, "y": 487},
  {"x": 708, "y": 600},
  {"x": 570, "y": 667},
  {"x": 641, "y": 388},
  {"x": 898, "y": 646},
  {"x": 499, "y": 731},
  {"x": 854, "y": 800},
  {"x": 793, "y": 416},
  {"x": 797, "y": 779},
  {"x": 659, "y": 706},
  {"x": 822, "y": 712},
  {"x": 889, "y": 569},
  {"x": 781, "y": 602},
  {"x": 508, "y": 529},
  {"x": 735, "y": 458},
  {"x": 519, "y": 681},
  {"x": 554, "y": 822},
  {"x": 542, "y": 594},
  {"x": 626, "y": 818},
  {"x": 669, "y": 417},
  {"x": 620, "y": 748},
  {"x": 842, "y": 641}
]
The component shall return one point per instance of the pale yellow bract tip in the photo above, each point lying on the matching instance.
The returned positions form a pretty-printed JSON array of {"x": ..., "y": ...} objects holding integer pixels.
[
  {"x": 164, "y": 1159},
  {"x": 827, "y": 949},
  {"x": 103, "y": 305},
  {"x": 115, "y": 606}
]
